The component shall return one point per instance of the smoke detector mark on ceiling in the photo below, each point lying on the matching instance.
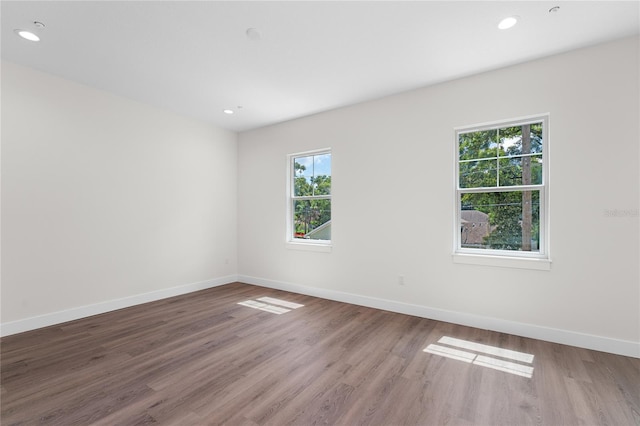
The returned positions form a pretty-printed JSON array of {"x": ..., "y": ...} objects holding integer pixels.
[{"x": 253, "y": 34}]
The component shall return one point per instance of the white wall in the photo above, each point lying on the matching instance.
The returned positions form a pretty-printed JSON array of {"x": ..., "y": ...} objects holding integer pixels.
[
  {"x": 107, "y": 202},
  {"x": 393, "y": 172}
]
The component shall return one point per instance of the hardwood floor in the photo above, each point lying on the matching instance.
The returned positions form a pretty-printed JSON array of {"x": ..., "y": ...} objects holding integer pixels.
[{"x": 204, "y": 359}]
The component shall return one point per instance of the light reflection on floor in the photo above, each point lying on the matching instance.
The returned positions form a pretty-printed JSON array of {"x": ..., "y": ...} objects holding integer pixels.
[
  {"x": 280, "y": 302},
  {"x": 454, "y": 350},
  {"x": 270, "y": 304}
]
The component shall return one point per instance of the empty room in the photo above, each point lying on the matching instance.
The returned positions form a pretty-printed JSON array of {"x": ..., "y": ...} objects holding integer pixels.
[{"x": 172, "y": 173}]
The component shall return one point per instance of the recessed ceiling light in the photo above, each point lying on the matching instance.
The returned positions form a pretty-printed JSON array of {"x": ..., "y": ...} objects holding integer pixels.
[
  {"x": 507, "y": 23},
  {"x": 228, "y": 111},
  {"x": 27, "y": 35}
]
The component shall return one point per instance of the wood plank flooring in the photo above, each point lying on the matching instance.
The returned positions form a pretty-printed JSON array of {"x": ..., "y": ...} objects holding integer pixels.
[{"x": 202, "y": 359}]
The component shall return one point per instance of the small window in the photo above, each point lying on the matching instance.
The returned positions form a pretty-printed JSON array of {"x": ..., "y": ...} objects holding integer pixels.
[
  {"x": 501, "y": 189},
  {"x": 309, "y": 210}
]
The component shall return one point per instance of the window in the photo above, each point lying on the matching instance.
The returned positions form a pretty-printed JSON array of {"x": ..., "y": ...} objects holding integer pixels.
[
  {"x": 309, "y": 209},
  {"x": 501, "y": 189}
]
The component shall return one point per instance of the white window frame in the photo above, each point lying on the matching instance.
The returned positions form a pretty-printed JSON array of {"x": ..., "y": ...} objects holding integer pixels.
[
  {"x": 299, "y": 243},
  {"x": 505, "y": 258}
]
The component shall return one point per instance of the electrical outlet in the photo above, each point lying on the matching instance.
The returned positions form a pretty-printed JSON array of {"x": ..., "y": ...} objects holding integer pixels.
[{"x": 400, "y": 279}]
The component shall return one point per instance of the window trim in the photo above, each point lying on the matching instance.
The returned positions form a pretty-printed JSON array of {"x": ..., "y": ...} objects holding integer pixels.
[
  {"x": 505, "y": 258},
  {"x": 300, "y": 243}
]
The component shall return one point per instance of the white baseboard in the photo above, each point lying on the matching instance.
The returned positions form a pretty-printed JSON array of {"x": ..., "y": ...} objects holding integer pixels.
[
  {"x": 565, "y": 337},
  {"x": 572, "y": 338},
  {"x": 59, "y": 317}
]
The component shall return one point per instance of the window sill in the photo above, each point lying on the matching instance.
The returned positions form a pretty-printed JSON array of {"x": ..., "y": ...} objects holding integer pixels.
[
  {"x": 308, "y": 246},
  {"x": 503, "y": 261}
]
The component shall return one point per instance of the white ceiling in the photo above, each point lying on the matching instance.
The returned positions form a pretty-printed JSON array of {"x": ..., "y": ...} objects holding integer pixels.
[{"x": 195, "y": 58}]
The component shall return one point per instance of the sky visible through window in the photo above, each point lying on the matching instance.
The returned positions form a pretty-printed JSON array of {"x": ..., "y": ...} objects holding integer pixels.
[{"x": 314, "y": 165}]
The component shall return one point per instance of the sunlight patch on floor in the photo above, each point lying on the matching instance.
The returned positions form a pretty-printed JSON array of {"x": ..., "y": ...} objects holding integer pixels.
[
  {"x": 490, "y": 350},
  {"x": 280, "y": 302},
  {"x": 270, "y": 304},
  {"x": 453, "y": 351}
]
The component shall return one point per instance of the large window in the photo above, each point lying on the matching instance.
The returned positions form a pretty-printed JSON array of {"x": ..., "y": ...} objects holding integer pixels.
[
  {"x": 309, "y": 212},
  {"x": 501, "y": 189}
]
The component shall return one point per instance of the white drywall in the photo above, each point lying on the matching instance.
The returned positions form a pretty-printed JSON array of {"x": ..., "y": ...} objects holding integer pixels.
[
  {"x": 393, "y": 198},
  {"x": 105, "y": 199}
]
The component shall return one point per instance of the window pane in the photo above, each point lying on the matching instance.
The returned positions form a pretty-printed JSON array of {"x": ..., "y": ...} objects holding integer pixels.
[
  {"x": 512, "y": 142},
  {"x": 520, "y": 170},
  {"x": 510, "y": 171},
  {"x": 322, "y": 174},
  {"x": 501, "y": 220},
  {"x": 321, "y": 185},
  {"x": 480, "y": 144},
  {"x": 312, "y": 175},
  {"x": 312, "y": 219},
  {"x": 322, "y": 165},
  {"x": 304, "y": 166},
  {"x": 303, "y": 175},
  {"x": 478, "y": 174}
]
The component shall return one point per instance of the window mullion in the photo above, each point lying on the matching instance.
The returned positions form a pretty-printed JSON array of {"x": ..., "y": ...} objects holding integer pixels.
[
  {"x": 500, "y": 189},
  {"x": 311, "y": 197}
]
